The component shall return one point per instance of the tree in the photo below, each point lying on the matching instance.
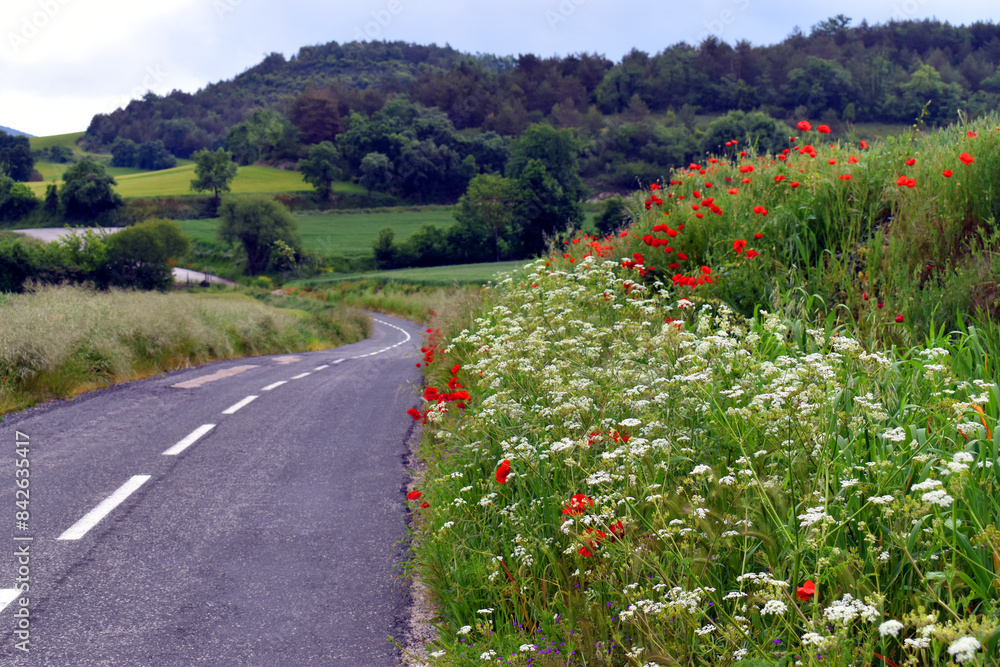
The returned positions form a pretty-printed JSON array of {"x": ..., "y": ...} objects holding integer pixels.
[
  {"x": 321, "y": 168},
  {"x": 139, "y": 256},
  {"x": 487, "y": 209},
  {"x": 16, "y": 199},
  {"x": 544, "y": 164},
  {"x": 123, "y": 152},
  {"x": 214, "y": 171},
  {"x": 154, "y": 156},
  {"x": 87, "y": 191},
  {"x": 385, "y": 251},
  {"x": 376, "y": 172},
  {"x": 16, "y": 160},
  {"x": 257, "y": 223}
]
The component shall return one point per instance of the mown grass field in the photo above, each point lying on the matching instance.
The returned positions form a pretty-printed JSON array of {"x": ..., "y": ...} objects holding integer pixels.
[
  {"x": 454, "y": 274},
  {"x": 758, "y": 429},
  {"x": 347, "y": 234},
  {"x": 177, "y": 181}
]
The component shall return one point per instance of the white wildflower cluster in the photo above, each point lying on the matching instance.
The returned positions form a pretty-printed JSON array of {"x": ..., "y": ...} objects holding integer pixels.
[
  {"x": 964, "y": 649},
  {"x": 814, "y": 515},
  {"x": 934, "y": 494},
  {"x": 847, "y": 609}
]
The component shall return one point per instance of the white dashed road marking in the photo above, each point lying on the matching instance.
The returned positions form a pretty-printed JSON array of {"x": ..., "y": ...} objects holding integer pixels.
[
  {"x": 319, "y": 368},
  {"x": 8, "y": 595},
  {"x": 91, "y": 518},
  {"x": 275, "y": 385},
  {"x": 233, "y": 408},
  {"x": 189, "y": 440},
  {"x": 300, "y": 376}
]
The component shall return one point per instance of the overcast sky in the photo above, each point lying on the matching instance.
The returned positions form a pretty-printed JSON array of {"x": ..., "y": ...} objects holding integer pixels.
[{"x": 65, "y": 60}]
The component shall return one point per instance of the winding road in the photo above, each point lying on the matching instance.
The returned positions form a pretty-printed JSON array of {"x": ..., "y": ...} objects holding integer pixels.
[{"x": 244, "y": 512}]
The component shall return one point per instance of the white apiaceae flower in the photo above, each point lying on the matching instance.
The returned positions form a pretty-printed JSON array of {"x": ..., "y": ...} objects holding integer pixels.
[
  {"x": 890, "y": 627},
  {"x": 964, "y": 649}
]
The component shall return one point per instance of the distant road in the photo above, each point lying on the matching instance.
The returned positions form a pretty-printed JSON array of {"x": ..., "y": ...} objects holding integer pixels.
[
  {"x": 245, "y": 512},
  {"x": 49, "y": 234}
]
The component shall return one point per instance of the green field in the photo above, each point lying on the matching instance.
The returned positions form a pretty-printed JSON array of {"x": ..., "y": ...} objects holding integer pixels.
[
  {"x": 461, "y": 274},
  {"x": 67, "y": 140},
  {"x": 177, "y": 181},
  {"x": 347, "y": 234}
]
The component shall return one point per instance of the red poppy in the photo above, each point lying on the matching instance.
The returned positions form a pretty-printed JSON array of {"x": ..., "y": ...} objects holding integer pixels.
[
  {"x": 706, "y": 270},
  {"x": 853, "y": 159},
  {"x": 738, "y": 246},
  {"x": 746, "y": 168},
  {"x": 779, "y": 178},
  {"x": 946, "y": 173},
  {"x": 654, "y": 186},
  {"x": 578, "y": 504},
  {"x": 758, "y": 236},
  {"x": 971, "y": 134},
  {"x": 751, "y": 254},
  {"x": 806, "y": 590},
  {"x": 617, "y": 530},
  {"x": 598, "y": 536},
  {"x": 733, "y": 191},
  {"x": 864, "y": 144},
  {"x": 823, "y": 129},
  {"x": 503, "y": 471},
  {"x": 845, "y": 177},
  {"x": 455, "y": 369},
  {"x": 831, "y": 161},
  {"x": 966, "y": 158},
  {"x": 794, "y": 184},
  {"x": 911, "y": 162},
  {"x": 901, "y": 181},
  {"x": 425, "y": 504},
  {"x": 413, "y": 495},
  {"x": 413, "y": 412},
  {"x": 899, "y": 319},
  {"x": 745, "y": 181},
  {"x": 804, "y": 125}
]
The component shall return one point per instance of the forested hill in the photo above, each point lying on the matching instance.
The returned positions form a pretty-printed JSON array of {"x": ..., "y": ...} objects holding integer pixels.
[{"x": 837, "y": 72}]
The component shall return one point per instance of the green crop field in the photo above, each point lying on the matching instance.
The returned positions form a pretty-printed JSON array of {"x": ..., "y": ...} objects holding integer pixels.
[
  {"x": 177, "y": 181},
  {"x": 346, "y": 234},
  {"x": 462, "y": 274},
  {"x": 68, "y": 140}
]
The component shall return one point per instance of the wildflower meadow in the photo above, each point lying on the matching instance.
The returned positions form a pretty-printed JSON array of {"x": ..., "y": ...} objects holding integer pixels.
[{"x": 759, "y": 426}]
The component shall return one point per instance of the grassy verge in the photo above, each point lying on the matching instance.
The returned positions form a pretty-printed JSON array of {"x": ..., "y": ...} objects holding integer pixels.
[
  {"x": 427, "y": 304},
  {"x": 61, "y": 341},
  {"x": 624, "y": 470}
]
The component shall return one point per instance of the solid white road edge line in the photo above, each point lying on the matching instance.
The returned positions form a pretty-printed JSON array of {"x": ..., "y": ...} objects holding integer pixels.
[
  {"x": 233, "y": 408},
  {"x": 300, "y": 376},
  {"x": 8, "y": 595},
  {"x": 386, "y": 349},
  {"x": 189, "y": 440},
  {"x": 90, "y": 519},
  {"x": 275, "y": 385}
]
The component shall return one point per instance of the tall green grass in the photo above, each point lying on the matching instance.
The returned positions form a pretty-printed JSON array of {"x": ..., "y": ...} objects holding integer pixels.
[{"x": 59, "y": 341}]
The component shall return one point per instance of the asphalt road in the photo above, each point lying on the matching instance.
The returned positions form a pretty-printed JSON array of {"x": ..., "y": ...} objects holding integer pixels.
[{"x": 271, "y": 539}]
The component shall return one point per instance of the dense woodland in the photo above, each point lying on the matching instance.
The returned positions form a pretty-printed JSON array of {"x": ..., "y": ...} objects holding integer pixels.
[{"x": 863, "y": 73}]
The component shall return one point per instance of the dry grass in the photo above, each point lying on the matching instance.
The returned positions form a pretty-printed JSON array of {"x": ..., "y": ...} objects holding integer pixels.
[{"x": 59, "y": 341}]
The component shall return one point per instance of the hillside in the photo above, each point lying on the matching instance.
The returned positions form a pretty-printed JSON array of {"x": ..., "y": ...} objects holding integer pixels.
[
  {"x": 9, "y": 130},
  {"x": 837, "y": 73}
]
